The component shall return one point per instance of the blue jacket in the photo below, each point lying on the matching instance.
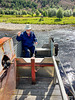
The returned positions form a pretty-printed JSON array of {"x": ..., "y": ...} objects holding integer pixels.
[{"x": 27, "y": 40}]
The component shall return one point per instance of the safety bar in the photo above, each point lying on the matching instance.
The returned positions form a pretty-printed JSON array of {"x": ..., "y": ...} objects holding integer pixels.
[{"x": 63, "y": 92}]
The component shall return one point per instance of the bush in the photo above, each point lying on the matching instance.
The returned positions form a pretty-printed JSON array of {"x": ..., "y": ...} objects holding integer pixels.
[
  {"x": 51, "y": 12},
  {"x": 74, "y": 13},
  {"x": 59, "y": 14},
  {"x": 24, "y": 12},
  {"x": 68, "y": 13},
  {"x": 37, "y": 13},
  {"x": 2, "y": 11},
  {"x": 45, "y": 13}
]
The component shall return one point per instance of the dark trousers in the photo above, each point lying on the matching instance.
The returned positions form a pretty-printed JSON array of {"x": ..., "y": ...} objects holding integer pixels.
[{"x": 27, "y": 53}]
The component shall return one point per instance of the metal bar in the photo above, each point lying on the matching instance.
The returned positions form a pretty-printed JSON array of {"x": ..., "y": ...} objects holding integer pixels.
[
  {"x": 54, "y": 76},
  {"x": 52, "y": 46},
  {"x": 36, "y": 64},
  {"x": 64, "y": 95},
  {"x": 33, "y": 70}
]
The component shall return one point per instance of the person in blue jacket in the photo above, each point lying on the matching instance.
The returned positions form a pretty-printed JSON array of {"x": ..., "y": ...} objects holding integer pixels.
[{"x": 28, "y": 39}]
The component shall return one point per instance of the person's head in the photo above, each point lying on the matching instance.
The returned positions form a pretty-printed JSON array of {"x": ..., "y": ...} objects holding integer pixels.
[{"x": 28, "y": 28}]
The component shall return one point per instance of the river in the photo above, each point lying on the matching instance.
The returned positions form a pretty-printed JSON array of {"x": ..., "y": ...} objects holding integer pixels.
[
  {"x": 66, "y": 41},
  {"x": 65, "y": 38}
]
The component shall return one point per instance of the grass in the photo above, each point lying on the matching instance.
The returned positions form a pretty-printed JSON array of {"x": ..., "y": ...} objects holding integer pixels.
[{"x": 26, "y": 19}]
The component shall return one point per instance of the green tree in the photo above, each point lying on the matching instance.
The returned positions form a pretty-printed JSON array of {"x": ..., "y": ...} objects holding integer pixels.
[
  {"x": 12, "y": 12},
  {"x": 24, "y": 12},
  {"x": 37, "y": 13},
  {"x": 45, "y": 13},
  {"x": 34, "y": 4},
  {"x": 51, "y": 12},
  {"x": 7, "y": 12},
  {"x": 74, "y": 13},
  {"x": 68, "y": 13},
  {"x": 2, "y": 11},
  {"x": 43, "y": 3},
  {"x": 59, "y": 13}
]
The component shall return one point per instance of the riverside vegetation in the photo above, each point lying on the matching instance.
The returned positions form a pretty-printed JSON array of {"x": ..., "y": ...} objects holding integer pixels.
[
  {"x": 27, "y": 19},
  {"x": 37, "y": 12}
]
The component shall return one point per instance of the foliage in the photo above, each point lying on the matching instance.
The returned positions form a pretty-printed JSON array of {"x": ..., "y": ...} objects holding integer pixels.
[
  {"x": 27, "y": 19},
  {"x": 68, "y": 13},
  {"x": 37, "y": 13},
  {"x": 74, "y": 13},
  {"x": 51, "y": 12},
  {"x": 45, "y": 13},
  {"x": 18, "y": 4},
  {"x": 60, "y": 13},
  {"x": 32, "y": 4}
]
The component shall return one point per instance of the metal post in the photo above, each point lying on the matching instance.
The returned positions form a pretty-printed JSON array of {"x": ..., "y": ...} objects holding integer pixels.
[
  {"x": 33, "y": 70},
  {"x": 54, "y": 76}
]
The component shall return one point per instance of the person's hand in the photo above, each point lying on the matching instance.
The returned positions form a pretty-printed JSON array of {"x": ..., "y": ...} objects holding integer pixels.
[
  {"x": 36, "y": 43},
  {"x": 19, "y": 33}
]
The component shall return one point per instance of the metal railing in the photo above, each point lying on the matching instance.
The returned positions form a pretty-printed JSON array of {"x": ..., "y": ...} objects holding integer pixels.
[{"x": 63, "y": 92}]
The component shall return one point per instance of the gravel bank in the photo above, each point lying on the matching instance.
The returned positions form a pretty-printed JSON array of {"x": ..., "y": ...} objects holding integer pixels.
[{"x": 35, "y": 27}]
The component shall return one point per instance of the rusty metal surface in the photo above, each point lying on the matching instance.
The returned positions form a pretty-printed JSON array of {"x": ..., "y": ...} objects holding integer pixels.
[
  {"x": 8, "y": 83},
  {"x": 6, "y": 48},
  {"x": 36, "y": 64},
  {"x": 4, "y": 39},
  {"x": 40, "y": 62},
  {"x": 33, "y": 70},
  {"x": 43, "y": 67},
  {"x": 7, "y": 76}
]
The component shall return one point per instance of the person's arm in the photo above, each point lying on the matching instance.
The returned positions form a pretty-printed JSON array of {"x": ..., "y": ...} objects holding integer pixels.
[{"x": 19, "y": 36}]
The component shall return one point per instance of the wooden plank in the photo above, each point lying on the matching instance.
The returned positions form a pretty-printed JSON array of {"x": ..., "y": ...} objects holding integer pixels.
[
  {"x": 32, "y": 97},
  {"x": 47, "y": 60},
  {"x": 38, "y": 92},
  {"x": 42, "y": 72},
  {"x": 37, "y": 60},
  {"x": 44, "y": 89},
  {"x": 20, "y": 60},
  {"x": 39, "y": 89},
  {"x": 40, "y": 84},
  {"x": 27, "y": 81}
]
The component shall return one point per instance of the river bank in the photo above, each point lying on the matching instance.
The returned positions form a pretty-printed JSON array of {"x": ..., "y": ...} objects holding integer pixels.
[{"x": 35, "y": 27}]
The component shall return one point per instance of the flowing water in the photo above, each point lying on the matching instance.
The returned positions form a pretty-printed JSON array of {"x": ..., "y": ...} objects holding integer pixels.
[{"x": 66, "y": 41}]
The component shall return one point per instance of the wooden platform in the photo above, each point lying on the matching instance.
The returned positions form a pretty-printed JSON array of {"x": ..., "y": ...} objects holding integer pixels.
[{"x": 44, "y": 89}]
